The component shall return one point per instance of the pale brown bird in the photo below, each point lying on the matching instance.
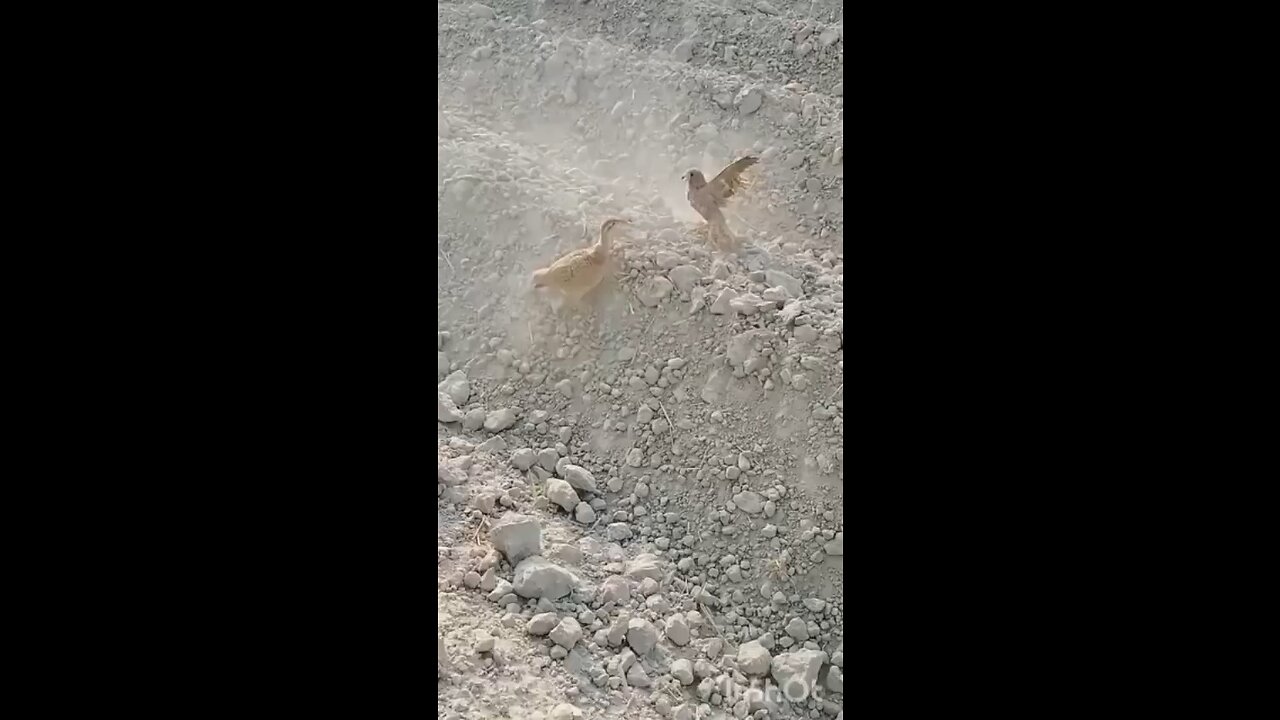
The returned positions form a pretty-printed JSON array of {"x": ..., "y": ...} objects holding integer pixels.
[
  {"x": 577, "y": 272},
  {"x": 708, "y": 197}
]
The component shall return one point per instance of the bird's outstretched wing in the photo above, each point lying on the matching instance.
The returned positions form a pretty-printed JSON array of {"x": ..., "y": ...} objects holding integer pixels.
[{"x": 729, "y": 180}]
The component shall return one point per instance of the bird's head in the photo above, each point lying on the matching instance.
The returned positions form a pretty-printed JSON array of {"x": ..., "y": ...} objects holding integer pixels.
[
  {"x": 612, "y": 223},
  {"x": 694, "y": 177}
]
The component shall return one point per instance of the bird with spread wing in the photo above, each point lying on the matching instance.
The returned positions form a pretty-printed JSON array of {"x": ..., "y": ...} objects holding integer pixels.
[
  {"x": 576, "y": 273},
  {"x": 709, "y": 197}
]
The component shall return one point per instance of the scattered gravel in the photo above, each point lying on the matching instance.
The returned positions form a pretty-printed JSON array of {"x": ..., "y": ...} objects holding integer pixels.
[{"x": 639, "y": 498}]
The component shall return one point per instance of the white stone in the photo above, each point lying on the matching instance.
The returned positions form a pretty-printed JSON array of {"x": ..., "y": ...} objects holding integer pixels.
[
  {"x": 684, "y": 277},
  {"x": 517, "y": 536},
  {"x": 836, "y": 545},
  {"x": 749, "y": 501},
  {"x": 753, "y": 658},
  {"x": 584, "y": 514},
  {"x": 565, "y": 711},
  {"x": 541, "y": 624},
  {"x": 446, "y": 410},
  {"x": 721, "y": 305},
  {"x": 457, "y": 387},
  {"x": 567, "y": 633},
  {"x": 796, "y": 672},
  {"x": 499, "y": 420},
  {"x": 537, "y": 577},
  {"x": 638, "y": 677},
  {"x": 835, "y": 680},
  {"x": 644, "y": 565},
  {"x": 523, "y": 459},
  {"x": 562, "y": 494},
  {"x": 666, "y": 259},
  {"x": 615, "y": 589},
  {"x": 747, "y": 303},
  {"x": 678, "y": 631},
  {"x": 579, "y": 477},
  {"x": 654, "y": 290},
  {"x": 777, "y": 277},
  {"x": 682, "y": 670},
  {"x": 749, "y": 100},
  {"x": 642, "y": 636}
]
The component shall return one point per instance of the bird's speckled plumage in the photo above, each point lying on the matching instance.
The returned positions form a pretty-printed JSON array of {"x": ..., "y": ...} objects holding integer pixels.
[
  {"x": 708, "y": 197},
  {"x": 577, "y": 272}
]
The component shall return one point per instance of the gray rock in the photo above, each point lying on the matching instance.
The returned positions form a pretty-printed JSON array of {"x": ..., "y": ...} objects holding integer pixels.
[
  {"x": 562, "y": 494},
  {"x": 457, "y": 387},
  {"x": 541, "y": 624},
  {"x": 547, "y": 458},
  {"x": 684, "y": 277},
  {"x": 517, "y": 537},
  {"x": 666, "y": 259},
  {"x": 523, "y": 459},
  {"x": 747, "y": 303},
  {"x": 806, "y": 333},
  {"x": 749, "y": 501},
  {"x": 682, "y": 670},
  {"x": 829, "y": 36},
  {"x": 481, "y": 11},
  {"x": 644, "y": 565},
  {"x": 753, "y": 658},
  {"x": 777, "y": 277},
  {"x": 642, "y": 636},
  {"x": 584, "y": 514},
  {"x": 615, "y": 589},
  {"x": 565, "y": 711},
  {"x": 537, "y": 577},
  {"x": 494, "y": 445},
  {"x": 500, "y": 590},
  {"x": 678, "y": 631},
  {"x": 721, "y": 305},
  {"x": 474, "y": 419},
  {"x": 446, "y": 411},
  {"x": 796, "y": 672},
  {"x": 500, "y": 420},
  {"x": 835, "y": 680},
  {"x": 618, "y": 630},
  {"x": 619, "y": 531},
  {"x": 836, "y": 545},
  {"x": 638, "y": 677},
  {"x": 579, "y": 477},
  {"x": 567, "y": 633},
  {"x": 652, "y": 291},
  {"x": 777, "y": 294},
  {"x": 796, "y": 629},
  {"x": 749, "y": 100}
]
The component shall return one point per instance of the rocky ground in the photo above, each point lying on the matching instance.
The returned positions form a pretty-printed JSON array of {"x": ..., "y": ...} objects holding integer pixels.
[{"x": 639, "y": 500}]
